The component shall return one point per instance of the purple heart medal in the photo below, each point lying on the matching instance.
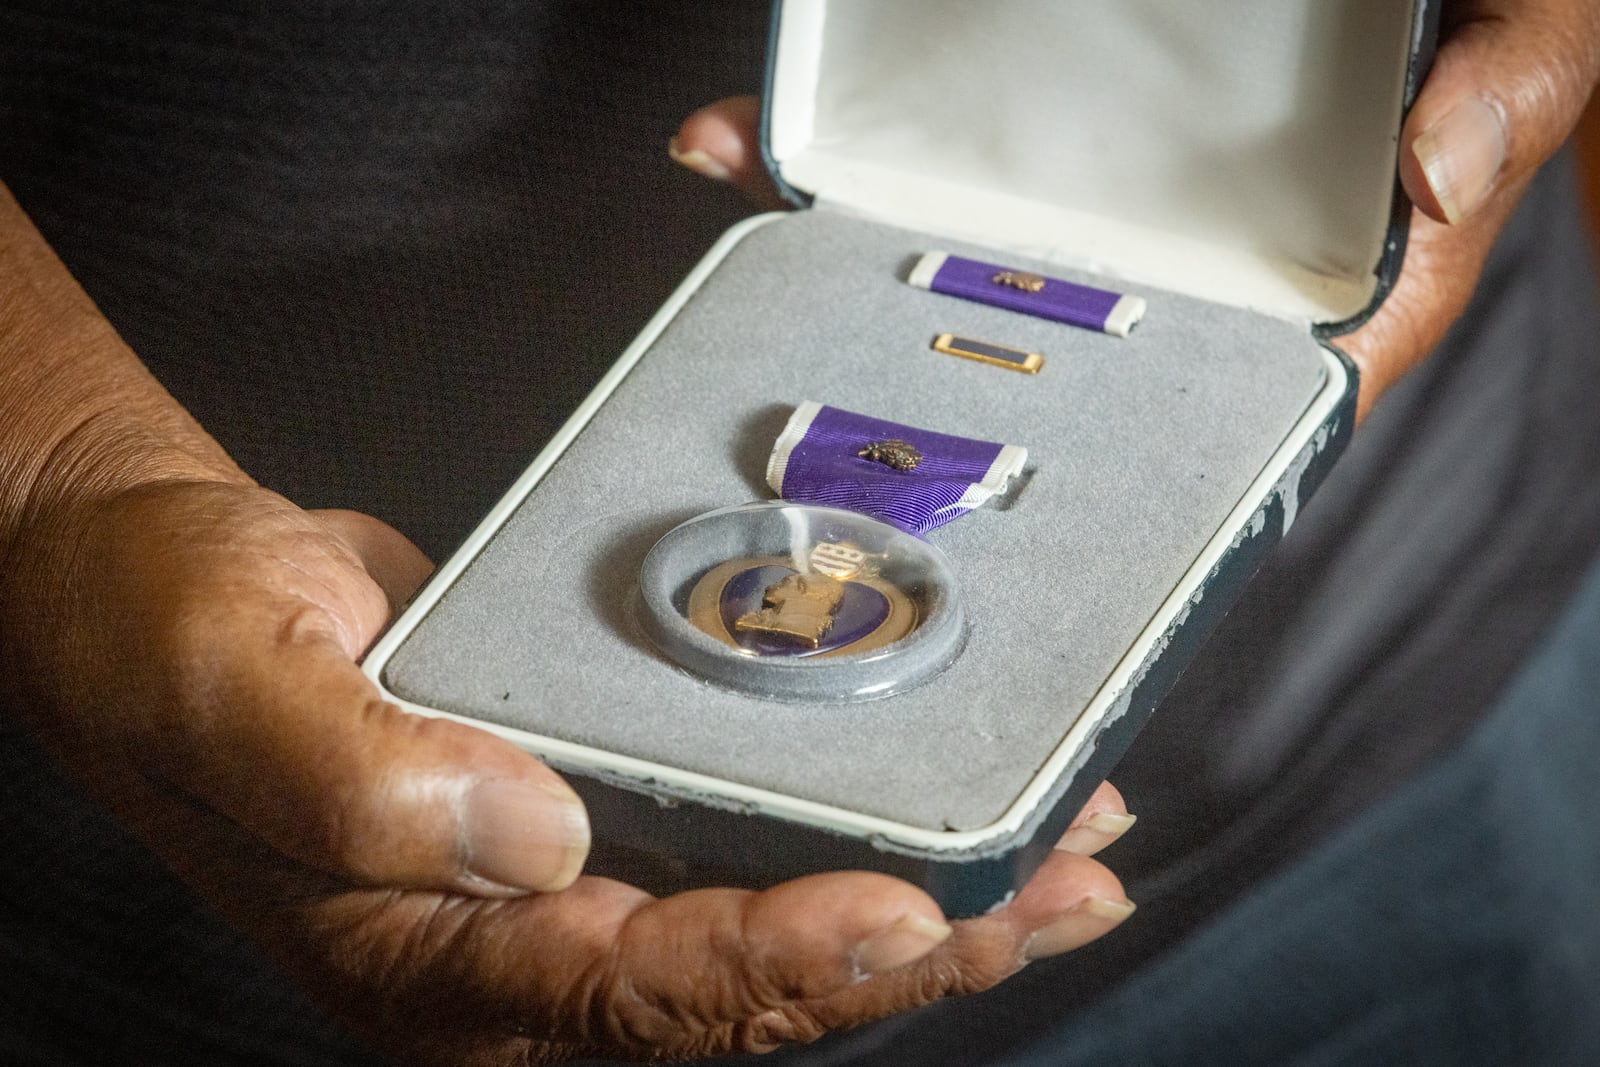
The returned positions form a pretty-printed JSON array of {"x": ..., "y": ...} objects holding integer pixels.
[
  {"x": 837, "y": 604},
  {"x": 829, "y": 594}
]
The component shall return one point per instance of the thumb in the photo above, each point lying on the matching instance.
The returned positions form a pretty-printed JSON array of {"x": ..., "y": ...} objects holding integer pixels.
[
  {"x": 1506, "y": 89},
  {"x": 254, "y": 706},
  {"x": 722, "y": 141},
  {"x": 308, "y": 757}
]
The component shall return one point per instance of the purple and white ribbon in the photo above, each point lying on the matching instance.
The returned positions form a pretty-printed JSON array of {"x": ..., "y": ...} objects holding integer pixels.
[
  {"x": 817, "y": 460},
  {"x": 1049, "y": 298}
]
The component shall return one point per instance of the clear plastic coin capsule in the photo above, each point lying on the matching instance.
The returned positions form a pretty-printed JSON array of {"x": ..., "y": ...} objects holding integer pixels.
[{"x": 799, "y": 602}]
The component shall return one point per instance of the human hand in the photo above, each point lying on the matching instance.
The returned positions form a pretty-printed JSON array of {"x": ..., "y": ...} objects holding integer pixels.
[
  {"x": 187, "y": 647},
  {"x": 195, "y": 641},
  {"x": 605, "y": 970},
  {"x": 1508, "y": 84},
  {"x": 1507, "y": 87}
]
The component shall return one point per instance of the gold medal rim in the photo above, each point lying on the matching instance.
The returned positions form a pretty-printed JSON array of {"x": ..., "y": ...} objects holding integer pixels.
[{"x": 705, "y": 608}]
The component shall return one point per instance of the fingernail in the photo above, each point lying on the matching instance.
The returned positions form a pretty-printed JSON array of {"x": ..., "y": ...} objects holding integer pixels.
[
  {"x": 910, "y": 938},
  {"x": 1461, "y": 154},
  {"x": 524, "y": 836},
  {"x": 1092, "y": 917},
  {"x": 1095, "y": 832},
  {"x": 698, "y": 162}
]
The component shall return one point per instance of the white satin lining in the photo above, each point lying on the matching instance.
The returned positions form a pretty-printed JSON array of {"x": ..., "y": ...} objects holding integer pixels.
[{"x": 1239, "y": 150}]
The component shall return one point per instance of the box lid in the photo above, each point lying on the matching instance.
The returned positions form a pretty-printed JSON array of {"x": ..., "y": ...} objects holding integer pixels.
[{"x": 1242, "y": 151}]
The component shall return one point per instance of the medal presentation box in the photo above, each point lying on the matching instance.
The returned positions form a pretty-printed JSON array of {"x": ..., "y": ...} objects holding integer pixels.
[{"x": 1232, "y": 164}]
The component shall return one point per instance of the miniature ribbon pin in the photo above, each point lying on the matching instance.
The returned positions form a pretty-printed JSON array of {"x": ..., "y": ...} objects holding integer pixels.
[
  {"x": 1032, "y": 294},
  {"x": 909, "y": 478}
]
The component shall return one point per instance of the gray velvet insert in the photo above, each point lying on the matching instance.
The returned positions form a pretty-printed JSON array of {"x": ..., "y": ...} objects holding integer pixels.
[{"x": 1139, "y": 448}]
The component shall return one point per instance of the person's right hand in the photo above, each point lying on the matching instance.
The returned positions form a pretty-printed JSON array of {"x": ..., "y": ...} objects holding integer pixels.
[{"x": 186, "y": 645}]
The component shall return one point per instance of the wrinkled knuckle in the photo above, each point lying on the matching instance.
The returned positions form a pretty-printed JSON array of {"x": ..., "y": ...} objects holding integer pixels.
[
  {"x": 940, "y": 979},
  {"x": 718, "y": 1041},
  {"x": 613, "y": 1011},
  {"x": 974, "y": 970},
  {"x": 390, "y": 949},
  {"x": 1539, "y": 108},
  {"x": 1546, "y": 95},
  {"x": 762, "y": 980},
  {"x": 643, "y": 1024},
  {"x": 967, "y": 980},
  {"x": 792, "y": 1024},
  {"x": 764, "y": 1033}
]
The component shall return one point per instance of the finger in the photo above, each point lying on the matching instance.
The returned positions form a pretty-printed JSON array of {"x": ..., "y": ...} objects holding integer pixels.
[
  {"x": 600, "y": 969},
  {"x": 391, "y": 560},
  {"x": 806, "y": 938},
  {"x": 722, "y": 142},
  {"x": 1069, "y": 902},
  {"x": 711, "y": 970},
  {"x": 604, "y": 965},
  {"x": 1508, "y": 84},
  {"x": 1101, "y": 821}
]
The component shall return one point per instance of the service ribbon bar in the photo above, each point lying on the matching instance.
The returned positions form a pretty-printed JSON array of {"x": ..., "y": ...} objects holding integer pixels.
[
  {"x": 1032, "y": 294},
  {"x": 910, "y": 478}
]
